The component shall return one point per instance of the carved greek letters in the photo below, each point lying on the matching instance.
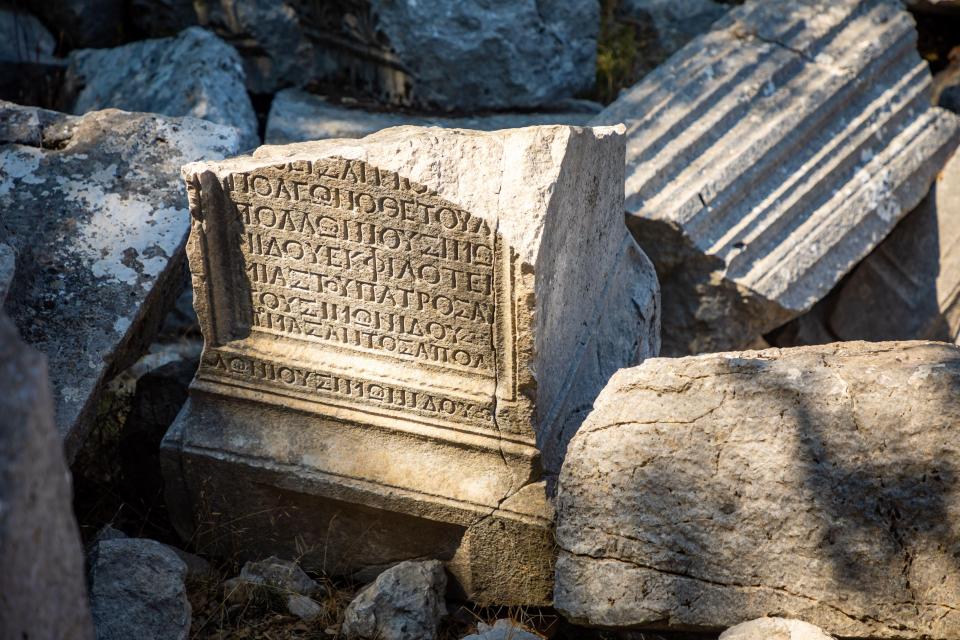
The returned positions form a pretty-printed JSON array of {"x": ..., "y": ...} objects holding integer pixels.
[{"x": 345, "y": 254}]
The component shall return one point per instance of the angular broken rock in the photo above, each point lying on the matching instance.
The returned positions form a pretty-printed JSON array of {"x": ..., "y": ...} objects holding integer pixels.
[
  {"x": 137, "y": 590},
  {"x": 23, "y": 38},
  {"x": 501, "y": 630},
  {"x": 42, "y": 589},
  {"x": 774, "y": 629},
  {"x": 519, "y": 54},
  {"x": 769, "y": 156},
  {"x": 405, "y": 602},
  {"x": 194, "y": 74},
  {"x": 401, "y": 335},
  {"x": 94, "y": 208},
  {"x": 297, "y": 116},
  {"x": 907, "y": 289},
  {"x": 818, "y": 483}
]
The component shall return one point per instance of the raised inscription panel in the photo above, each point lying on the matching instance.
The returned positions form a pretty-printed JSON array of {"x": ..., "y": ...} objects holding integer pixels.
[{"x": 339, "y": 259}]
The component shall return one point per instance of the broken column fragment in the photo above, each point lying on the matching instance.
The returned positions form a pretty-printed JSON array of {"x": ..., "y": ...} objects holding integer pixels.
[
  {"x": 94, "y": 210},
  {"x": 908, "y": 288},
  {"x": 402, "y": 332},
  {"x": 817, "y": 483},
  {"x": 769, "y": 156}
]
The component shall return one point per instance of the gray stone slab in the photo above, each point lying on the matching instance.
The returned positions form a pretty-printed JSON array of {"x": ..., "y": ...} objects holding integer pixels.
[
  {"x": 43, "y": 593},
  {"x": 95, "y": 210},
  {"x": 817, "y": 483},
  {"x": 297, "y": 116},
  {"x": 193, "y": 74},
  {"x": 766, "y": 158}
]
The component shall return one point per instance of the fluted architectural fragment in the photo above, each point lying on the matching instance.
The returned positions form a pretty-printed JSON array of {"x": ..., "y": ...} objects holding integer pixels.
[{"x": 769, "y": 156}]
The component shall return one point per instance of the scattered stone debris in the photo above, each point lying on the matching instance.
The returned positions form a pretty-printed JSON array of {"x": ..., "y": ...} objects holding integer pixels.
[
  {"x": 818, "y": 482},
  {"x": 42, "y": 589},
  {"x": 95, "y": 210},
  {"x": 193, "y": 74},
  {"x": 137, "y": 590},
  {"x": 769, "y": 156},
  {"x": 774, "y": 629},
  {"x": 501, "y": 630},
  {"x": 297, "y": 116},
  {"x": 405, "y": 602}
]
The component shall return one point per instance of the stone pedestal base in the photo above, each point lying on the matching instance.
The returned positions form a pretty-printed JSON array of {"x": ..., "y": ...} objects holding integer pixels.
[{"x": 351, "y": 497}]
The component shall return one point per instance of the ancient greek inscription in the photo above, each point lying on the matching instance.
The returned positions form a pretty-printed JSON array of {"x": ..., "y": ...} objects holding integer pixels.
[
  {"x": 313, "y": 384},
  {"x": 345, "y": 254}
]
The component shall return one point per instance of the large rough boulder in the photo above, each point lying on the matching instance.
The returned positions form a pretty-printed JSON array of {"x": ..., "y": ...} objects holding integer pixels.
[
  {"x": 908, "y": 288},
  {"x": 194, "y": 74},
  {"x": 137, "y": 590},
  {"x": 96, "y": 212},
  {"x": 42, "y": 589},
  {"x": 769, "y": 156},
  {"x": 405, "y": 602},
  {"x": 818, "y": 483},
  {"x": 518, "y": 54},
  {"x": 297, "y": 116}
]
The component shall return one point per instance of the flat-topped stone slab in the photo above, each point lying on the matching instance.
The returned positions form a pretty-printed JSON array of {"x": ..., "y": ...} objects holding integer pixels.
[
  {"x": 767, "y": 157},
  {"x": 298, "y": 116},
  {"x": 402, "y": 333},
  {"x": 95, "y": 213},
  {"x": 816, "y": 483}
]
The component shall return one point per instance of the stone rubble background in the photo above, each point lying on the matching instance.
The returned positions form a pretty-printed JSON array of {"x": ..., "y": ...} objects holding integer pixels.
[{"x": 93, "y": 217}]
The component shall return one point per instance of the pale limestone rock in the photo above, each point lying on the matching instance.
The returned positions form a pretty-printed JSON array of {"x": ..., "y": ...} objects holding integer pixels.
[
  {"x": 768, "y": 157},
  {"x": 193, "y": 74},
  {"x": 399, "y": 349},
  {"x": 908, "y": 288},
  {"x": 42, "y": 589},
  {"x": 817, "y": 483},
  {"x": 501, "y": 630},
  {"x": 94, "y": 208},
  {"x": 405, "y": 602},
  {"x": 774, "y": 629},
  {"x": 297, "y": 116},
  {"x": 137, "y": 590}
]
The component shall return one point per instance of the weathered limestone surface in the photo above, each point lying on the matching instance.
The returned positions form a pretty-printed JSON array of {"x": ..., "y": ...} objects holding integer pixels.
[
  {"x": 95, "y": 212},
  {"x": 817, "y": 483},
  {"x": 402, "y": 334},
  {"x": 471, "y": 55},
  {"x": 42, "y": 588},
  {"x": 774, "y": 629},
  {"x": 769, "y": 156},
  {"x": 194, "y": 74},
  {"x": 297, "y": 116},
  {"x": 137, "y": 590},
  {"x": 405, "y": 602},
  {"x": 907, "y": 289}
]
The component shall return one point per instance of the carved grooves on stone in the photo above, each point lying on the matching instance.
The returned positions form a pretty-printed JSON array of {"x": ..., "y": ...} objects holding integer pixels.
[{"x": 778, "y": 141}]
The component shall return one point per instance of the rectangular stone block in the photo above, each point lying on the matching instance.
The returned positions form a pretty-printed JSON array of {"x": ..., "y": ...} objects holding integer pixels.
[
  {"x": 817, "y": 483},
  {"x": 402, "y": 333},
  {"x": 768, "y": 157},
  {"x": 93, "y": 209}
]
